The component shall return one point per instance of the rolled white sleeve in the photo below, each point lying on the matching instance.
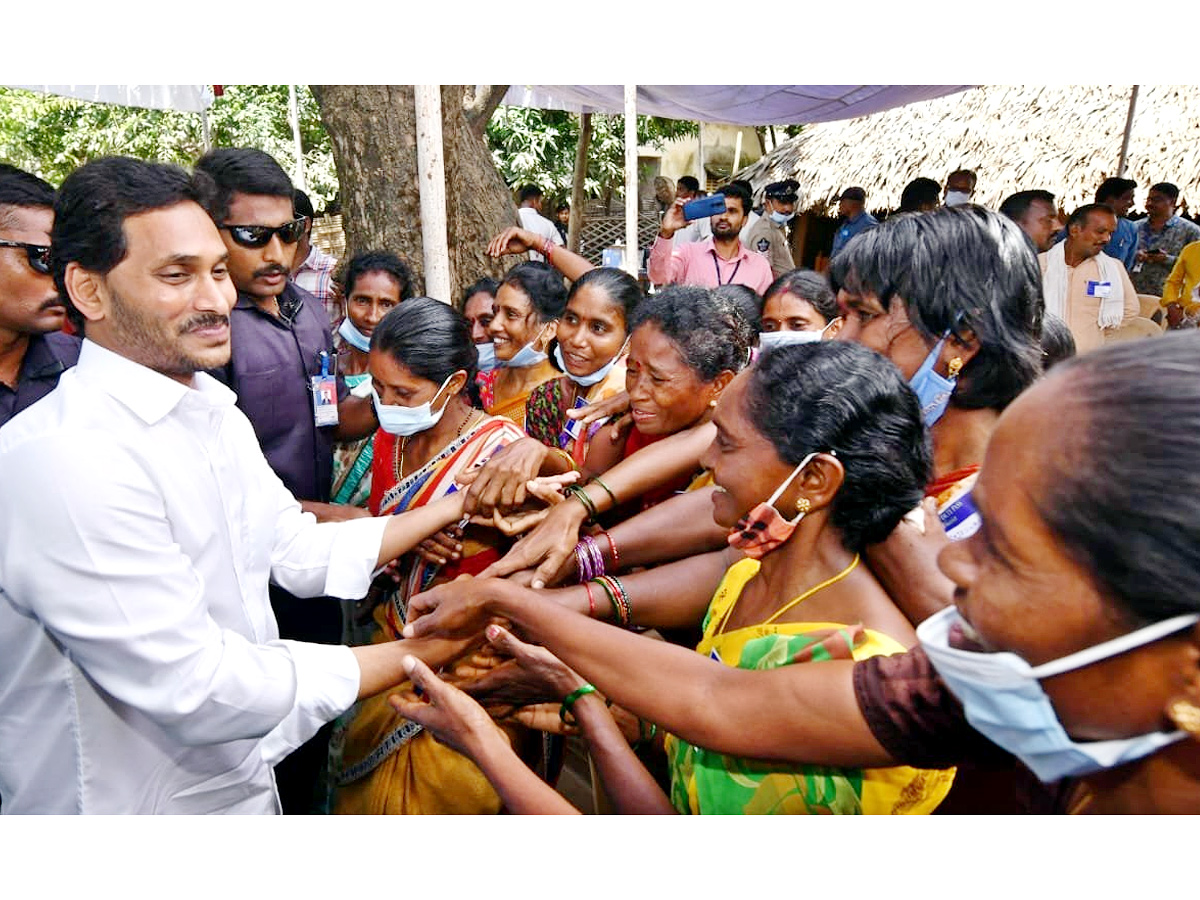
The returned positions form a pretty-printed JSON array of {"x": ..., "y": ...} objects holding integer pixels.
[
  {"x": 327, "y": 680},
  {"x": 334, "y": 559}
]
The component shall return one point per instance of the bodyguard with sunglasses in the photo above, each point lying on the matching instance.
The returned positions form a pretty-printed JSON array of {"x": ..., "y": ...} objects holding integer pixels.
[
  {"x": 33, "y": 350},
  {"x": 280, "y": 342}
]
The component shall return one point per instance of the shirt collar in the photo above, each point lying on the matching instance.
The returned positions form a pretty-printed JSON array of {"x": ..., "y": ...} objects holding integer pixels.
[
  {"x": 43, "y": 359},
  {"x": 149, "y": 394},
  {"x": 710, "y": 246}
]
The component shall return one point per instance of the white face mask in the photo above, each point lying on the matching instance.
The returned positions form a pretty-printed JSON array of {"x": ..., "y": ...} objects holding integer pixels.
[
  {"x": 769, "y": 339},
  {"x": 1003, "y": 699},
  {"x": 957, "y": 198},
  {"x": 588, "y": 380},
  {"x": 405, "y": 421}
]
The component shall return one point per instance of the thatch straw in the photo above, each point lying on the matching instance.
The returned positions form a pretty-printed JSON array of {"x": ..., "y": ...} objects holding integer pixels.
[{"x": 1062, "y": 139}]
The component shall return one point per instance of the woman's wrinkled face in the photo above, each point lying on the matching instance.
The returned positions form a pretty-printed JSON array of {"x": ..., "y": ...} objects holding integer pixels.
[
  {"x": 1022, "y": 593},
  {"x": 372, "y": 296},
  {"x": 514, "y": 322},
  {"x": 666, "y": 395},
  {"x": 744, "y": 463},
  {"x": 591, "y": 331}
]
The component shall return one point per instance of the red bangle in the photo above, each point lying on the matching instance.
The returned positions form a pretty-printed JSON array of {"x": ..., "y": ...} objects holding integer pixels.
[
  {"x": 612, "y": 546},
  {"x": 548, "y": 249},
  {"x": 591, "y": 600}
]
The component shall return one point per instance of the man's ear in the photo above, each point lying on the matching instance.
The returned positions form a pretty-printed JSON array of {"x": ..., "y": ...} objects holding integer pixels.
[
  {"x": 963, "y": 348},
  {"x": 87, "y": 291}
]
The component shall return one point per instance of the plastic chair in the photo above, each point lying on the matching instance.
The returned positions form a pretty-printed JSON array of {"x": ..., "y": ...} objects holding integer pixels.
[
  {"x": 1133, "y": 330},
  {"x": 1149, "y": 305}
]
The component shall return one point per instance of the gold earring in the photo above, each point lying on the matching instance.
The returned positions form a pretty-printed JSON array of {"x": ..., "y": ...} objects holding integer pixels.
[
  {"x": 956, "y": 365},
  {"x": 1185, "y": 714},
  {"x": 802, "y": 505}
]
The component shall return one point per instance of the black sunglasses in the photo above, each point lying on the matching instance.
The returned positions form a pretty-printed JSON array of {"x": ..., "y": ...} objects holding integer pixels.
[
  {"x": 39, "y": 256},
  {"x": 260, "y": 235}
]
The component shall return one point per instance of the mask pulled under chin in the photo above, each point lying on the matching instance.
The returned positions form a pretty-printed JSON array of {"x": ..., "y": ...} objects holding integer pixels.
[
  {"x": 1003, "y": 699},
  {"x": 763, "y": 529}
]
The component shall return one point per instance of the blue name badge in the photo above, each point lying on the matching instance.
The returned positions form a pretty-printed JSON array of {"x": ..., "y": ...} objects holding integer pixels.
[
  {"x": 1101, "y": 289},
  {"x": 960, "y": 518},
  {"x": 325, "y": 400},
  {"x": 574, "y": 427}
]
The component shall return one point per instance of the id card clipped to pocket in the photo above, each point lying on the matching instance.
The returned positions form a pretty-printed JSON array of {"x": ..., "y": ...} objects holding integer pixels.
[
  {"x": 324, "y": 394},
  {"x": 1101, "y": 289},
  {"x": 574, "y": 427}
]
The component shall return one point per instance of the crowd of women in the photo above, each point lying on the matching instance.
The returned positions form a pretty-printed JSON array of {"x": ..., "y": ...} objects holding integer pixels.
[{"x": 844, "y": 548}]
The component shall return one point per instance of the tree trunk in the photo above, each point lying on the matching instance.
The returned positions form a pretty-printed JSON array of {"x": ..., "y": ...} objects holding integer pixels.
[
  {"x": 575, "y": 225},
  {"x": 373, "y": 132}
]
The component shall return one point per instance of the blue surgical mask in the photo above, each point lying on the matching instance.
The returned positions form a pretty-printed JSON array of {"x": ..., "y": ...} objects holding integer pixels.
[
  {"x": 933, "y": 390},
  {"x": 487, "y": 356},
  {"x": 587, "y": 380},
  {"x": 353, "y": 336},
  {"x": 1003, "y": 699},
  {"x": 405, "y": 421},
  {"x": 769, "y": 339},
  {"x": 781, "y": 218},
  {"x": 525, "y": 357}
]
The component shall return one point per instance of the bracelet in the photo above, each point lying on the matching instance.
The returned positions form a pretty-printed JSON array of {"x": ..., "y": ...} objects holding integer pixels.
[
  {"x": 589, "y": 505},
  {"x": 591, "y": 600},
  {"x": 613, "y": 547},
  {"x": 607, "y": 489},
  {"x": 588, "y": 559},
  {"x": 567, "y": 456},
  {"x": 569, "y": 701},
  {"x": 618, "y": 596}
]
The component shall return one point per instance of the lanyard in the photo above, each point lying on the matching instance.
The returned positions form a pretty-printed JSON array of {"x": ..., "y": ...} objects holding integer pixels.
[{"x": 732, "y": 275}]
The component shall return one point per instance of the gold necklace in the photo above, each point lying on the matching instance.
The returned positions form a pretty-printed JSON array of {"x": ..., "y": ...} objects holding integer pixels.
[
  {"x": 398, "y": 457},
  {"x": 779, "y": 612}
]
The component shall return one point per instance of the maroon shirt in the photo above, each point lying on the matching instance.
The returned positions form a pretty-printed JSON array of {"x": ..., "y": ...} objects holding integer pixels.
[
  {"x": 269, "y": 370},
  {"x": 46, "y": 357}
]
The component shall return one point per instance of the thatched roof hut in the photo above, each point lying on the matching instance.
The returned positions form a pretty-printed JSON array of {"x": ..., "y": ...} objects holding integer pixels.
[{"x": 1061, "y": 139}]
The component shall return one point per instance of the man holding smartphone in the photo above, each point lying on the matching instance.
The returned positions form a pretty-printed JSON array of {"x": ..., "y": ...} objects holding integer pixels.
[
  {"x": 719, "y": 260},
  {"x": 1160, "y": 237}
]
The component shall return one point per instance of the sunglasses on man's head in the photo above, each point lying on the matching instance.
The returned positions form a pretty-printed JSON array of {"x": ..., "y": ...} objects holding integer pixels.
[
  {"x": 39, "y": 256},
  {"x": 260, "y": 235}
]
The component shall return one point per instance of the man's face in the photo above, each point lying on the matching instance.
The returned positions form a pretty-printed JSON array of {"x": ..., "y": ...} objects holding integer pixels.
[
  {"x": 771, "y": 205},
  {"x": 1122, "y": 204},
  {"x": 29, "y": 303},
  {"x": 682, "y": 193},
  {"x": 1040, "y": 222},
  {"x": 959, "y": 182},
  {"x": 730, "y": 222},
  {"x": 848, "y": 208},
  {"x": 1159, "y": 206},
  {"x": 261, "y": 272},
  {"x": 564, "y": 216},
  {"x": 166, "y": 304},
  {"x": 1089, "y": 238}
]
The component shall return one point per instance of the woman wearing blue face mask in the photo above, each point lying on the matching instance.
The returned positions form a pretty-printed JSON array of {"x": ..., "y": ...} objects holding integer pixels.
[
  {"x": 422, "y": 366},
  {"x": 528, "y": 304},
  {"x": 375, "y": 283},
  {"x": 954, "y": 299},
  {"x": 1075, "y": 643}
]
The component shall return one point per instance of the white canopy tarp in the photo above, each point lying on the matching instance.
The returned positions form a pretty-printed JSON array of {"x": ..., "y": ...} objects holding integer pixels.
[
  {"x": 755, "y": 104},
  {"x": 186, "y": 97}
]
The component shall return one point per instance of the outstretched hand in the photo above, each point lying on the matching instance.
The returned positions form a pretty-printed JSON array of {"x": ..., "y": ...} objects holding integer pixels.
[
  {"x": 450, "y": 715},
  {"x": 459, "y": 608},
  {"x": 547, "y": 547},
  {"x": 532, "y": 675},
  {"x": 512, "y": 241}
]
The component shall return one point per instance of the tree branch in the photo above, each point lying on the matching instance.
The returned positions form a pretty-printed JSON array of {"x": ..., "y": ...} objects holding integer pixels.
[{"x": 478, "y": 108}]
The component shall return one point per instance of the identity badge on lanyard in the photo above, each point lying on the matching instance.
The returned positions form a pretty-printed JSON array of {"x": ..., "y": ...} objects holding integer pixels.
[
  {"x": 324, "y": 392},
  {"x": 1101, "y": 289}
]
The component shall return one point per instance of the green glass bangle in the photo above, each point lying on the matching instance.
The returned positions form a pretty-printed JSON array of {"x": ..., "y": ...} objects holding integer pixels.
[
  {"x": 569, "y": 702},
  {"x": 606, "y": 489}
]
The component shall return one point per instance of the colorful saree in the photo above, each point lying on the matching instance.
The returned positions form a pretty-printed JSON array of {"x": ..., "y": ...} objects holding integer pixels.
[
  {"x": 546, "y": 410},
  {"x": 711, "y": 783},
  {"x": 514, "y": 407},
  {"x": 352, "y": 464},
  {"x": 389, "y": 764}
]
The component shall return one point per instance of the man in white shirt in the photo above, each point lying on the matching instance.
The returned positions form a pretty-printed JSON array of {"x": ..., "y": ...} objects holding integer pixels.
[
  {"x": 529, "y": 211},
  {"x": 140, "y": 666}
]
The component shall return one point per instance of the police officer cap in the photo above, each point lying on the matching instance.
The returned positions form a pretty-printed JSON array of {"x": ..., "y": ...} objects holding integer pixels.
[{"x": 783, "y": 191}]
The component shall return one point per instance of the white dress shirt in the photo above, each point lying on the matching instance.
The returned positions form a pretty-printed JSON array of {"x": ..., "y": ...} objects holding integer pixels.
[
  {"x": 532, "y": 220},
  {"x": 140, "y": 664}
]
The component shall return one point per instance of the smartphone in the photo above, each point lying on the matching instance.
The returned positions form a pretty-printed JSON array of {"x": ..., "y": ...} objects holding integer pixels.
[{"x": 704, "y": 207}]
